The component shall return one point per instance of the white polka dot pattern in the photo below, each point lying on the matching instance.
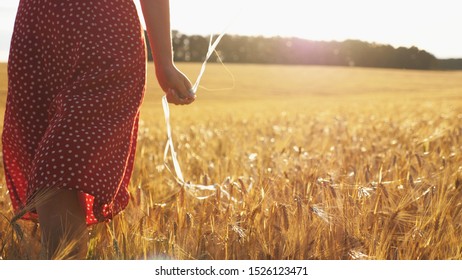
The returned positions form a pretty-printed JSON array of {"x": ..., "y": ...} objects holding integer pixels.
[{"x": 76, "y": 80}]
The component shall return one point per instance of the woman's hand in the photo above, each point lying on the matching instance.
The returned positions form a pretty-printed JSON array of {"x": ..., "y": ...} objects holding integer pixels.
[{"x": 175, "y": 84}]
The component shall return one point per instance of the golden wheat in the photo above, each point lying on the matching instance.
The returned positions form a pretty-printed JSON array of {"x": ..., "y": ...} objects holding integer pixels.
[{"x": 323, "y": 163}]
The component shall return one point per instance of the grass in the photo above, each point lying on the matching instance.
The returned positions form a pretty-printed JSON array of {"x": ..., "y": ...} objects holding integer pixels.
[{"x": 322, "y": 163}]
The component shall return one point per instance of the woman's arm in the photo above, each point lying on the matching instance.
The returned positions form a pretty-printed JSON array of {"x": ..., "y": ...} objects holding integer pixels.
[{"x": 172, "y": 81}]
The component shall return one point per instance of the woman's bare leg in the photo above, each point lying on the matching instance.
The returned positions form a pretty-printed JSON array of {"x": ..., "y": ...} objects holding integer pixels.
[{"x": 63, "y": 225}]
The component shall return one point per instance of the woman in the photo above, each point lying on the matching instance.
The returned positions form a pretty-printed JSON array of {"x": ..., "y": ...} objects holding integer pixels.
[{"x": 76, "y": 80}]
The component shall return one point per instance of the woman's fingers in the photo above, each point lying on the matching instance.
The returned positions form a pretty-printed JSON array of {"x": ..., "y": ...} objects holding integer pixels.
[
  {"x": 172, "y": 97},
  {"x": 184, "y": 90},
  {"x": 175, "y": 98}
]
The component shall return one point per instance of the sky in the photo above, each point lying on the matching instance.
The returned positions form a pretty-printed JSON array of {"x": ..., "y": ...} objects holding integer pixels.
[{"x": 432, "y": 25}]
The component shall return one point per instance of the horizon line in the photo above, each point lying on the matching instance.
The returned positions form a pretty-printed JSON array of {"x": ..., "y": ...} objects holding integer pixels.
[{"x": 4, "y": 54}]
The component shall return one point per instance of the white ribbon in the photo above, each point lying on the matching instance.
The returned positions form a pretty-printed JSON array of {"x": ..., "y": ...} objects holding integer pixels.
[
  {"x": 177, "y": 174},
  {"x": 210, "y": 51}
]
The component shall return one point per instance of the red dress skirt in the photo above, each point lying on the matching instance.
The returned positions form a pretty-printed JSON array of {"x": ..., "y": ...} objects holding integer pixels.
[{"x": 76, "y": 80}]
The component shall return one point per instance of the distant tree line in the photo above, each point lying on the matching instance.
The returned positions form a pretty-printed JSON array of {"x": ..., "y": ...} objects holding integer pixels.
[
  {"x": 449, "y": 64},
  {"x": 279, "y": 50}
]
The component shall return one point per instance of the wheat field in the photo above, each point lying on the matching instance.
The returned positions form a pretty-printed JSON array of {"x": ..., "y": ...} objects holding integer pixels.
[{"x": 318, "y": 162}]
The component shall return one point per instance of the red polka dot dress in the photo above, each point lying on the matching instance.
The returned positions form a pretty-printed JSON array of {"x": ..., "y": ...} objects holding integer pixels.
[{"x": 76, "y": 80}]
